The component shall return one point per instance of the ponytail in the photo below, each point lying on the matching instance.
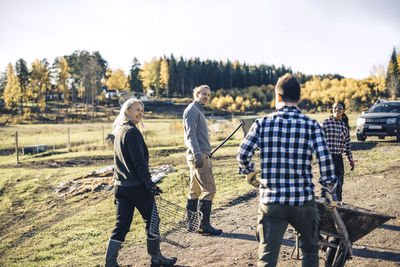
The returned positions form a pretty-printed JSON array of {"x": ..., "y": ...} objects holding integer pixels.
[{"x": 345, "y": 119}]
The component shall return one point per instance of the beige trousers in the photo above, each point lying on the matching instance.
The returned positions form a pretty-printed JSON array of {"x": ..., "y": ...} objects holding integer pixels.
[{"x": 202, "y": 182}]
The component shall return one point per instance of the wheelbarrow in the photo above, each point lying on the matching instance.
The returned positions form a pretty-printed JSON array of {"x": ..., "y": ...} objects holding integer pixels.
[{"x": 340, "y": 227}]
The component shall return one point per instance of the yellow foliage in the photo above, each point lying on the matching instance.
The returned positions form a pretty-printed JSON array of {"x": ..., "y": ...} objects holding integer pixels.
[
  {"x": 327, "y": 91},
  {"x": 12, "y": 91},
  {"x": 232, "y": 107},
  {"x": 239, "y": 100},
  {"x": 214, "y": 102},
  {"x": 117, "y": 80},
  {"x": 224, "y": 102}
]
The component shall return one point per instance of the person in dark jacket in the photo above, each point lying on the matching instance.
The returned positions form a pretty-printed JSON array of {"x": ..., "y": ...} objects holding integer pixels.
[{"x": 133, "y": 185}]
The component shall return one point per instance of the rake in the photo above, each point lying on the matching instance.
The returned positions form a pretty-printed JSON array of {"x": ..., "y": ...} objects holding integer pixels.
[{"x": 173, "y": 224}]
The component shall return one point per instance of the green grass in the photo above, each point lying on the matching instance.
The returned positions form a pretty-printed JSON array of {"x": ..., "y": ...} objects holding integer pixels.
[{"x": 38, "y": 228}]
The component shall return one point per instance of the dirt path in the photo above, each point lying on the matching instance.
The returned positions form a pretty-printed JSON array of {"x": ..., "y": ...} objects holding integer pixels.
[{"x": 238, "y": 245}]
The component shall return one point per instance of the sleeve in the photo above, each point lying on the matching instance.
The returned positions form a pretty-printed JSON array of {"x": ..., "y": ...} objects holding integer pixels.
[
  {"x": 347, "y": 148},
  {"x": 135, "y": 147},
  {"x": 190, "y": 121},
  {"x": 320, "y": 147},
  {"x": 323, "y": 125},
  {"x": 247, "y": 148}
]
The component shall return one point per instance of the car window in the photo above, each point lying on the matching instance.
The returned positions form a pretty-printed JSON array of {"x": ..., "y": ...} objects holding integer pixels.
[{"x": 395, "y": 108}]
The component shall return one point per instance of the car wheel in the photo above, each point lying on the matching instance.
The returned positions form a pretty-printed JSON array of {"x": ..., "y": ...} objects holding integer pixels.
[{"x": 361, "y": 137}]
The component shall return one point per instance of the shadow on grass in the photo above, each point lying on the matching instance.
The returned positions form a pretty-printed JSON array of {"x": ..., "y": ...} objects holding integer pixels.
[
  {"x": 374, "y": 254},
  {"x": 69, "y": 162},
  {"x": 285, "y": 242},
  {"x": 363, "y": 145},
  {"x": 390, "y": 227}
]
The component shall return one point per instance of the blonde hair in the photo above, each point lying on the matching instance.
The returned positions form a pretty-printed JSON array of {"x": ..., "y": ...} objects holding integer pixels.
[
  {"x": 122, "y": 117},
  {"x": 198, "y": 89}
]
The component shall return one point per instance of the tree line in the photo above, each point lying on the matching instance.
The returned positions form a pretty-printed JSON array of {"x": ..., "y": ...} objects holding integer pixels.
[{"x": 81, "y": 76}]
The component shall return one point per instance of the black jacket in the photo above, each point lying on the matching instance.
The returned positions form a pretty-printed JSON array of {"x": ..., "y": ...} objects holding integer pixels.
[{"x": 131, "y": 157}]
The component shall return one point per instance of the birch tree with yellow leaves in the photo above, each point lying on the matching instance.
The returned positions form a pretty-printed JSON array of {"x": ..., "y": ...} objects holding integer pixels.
[
  {"x": 12, "y": 92},
  {"x": 116, "y": 80}
]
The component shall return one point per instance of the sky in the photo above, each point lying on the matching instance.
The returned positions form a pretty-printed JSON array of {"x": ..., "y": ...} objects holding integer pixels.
[{"x": 347, "y": 37}]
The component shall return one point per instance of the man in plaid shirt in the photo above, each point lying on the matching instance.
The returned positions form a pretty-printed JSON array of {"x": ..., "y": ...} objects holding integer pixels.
[{"x": 287, "y": 139}]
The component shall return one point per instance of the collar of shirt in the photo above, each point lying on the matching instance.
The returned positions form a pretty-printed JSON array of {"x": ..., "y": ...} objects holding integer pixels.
[
  {"x": 289, "y": 109},
  {"x": 334, "y": 119},
  {"x": 129, "y": 123},
  {"x": 198, "y": 105}
]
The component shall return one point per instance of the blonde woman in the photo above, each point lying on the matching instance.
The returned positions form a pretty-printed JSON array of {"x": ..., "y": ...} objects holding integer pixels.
[{"x": 132, "y": 181}]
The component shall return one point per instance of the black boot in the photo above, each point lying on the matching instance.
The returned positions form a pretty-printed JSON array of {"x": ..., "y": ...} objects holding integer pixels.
[
  {"x": 112, "y": 253},
  {"x": 192, "y": 215},
  {"x": 157, "y": 259},
  {"x": 205, "y": 226}
]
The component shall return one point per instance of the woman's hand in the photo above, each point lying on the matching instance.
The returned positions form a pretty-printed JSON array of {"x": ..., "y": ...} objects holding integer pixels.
[
  {"x": 155, "y": 190},
  {"x": 352, "y": 165}
]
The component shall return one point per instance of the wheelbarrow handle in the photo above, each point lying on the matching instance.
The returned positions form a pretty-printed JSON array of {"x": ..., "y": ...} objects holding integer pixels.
[{"x": 226, "y": 139}]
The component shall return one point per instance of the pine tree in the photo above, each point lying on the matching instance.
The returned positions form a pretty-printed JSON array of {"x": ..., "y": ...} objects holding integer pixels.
[
  {"x": 173, "y": 73},
  {"x": 3, "y": 82},
  {"x": 135, "y": 83},
  {"x": 392, "y": 76},
  {"x": 181, "y": 76},
  {"x": 23, "y": 76}
]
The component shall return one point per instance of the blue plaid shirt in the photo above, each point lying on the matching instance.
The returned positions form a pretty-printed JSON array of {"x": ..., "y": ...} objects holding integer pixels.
[{"x": 287, "y": 140}]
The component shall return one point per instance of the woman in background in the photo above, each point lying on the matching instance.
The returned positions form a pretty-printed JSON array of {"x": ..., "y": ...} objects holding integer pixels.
[
  {"x": 132, "y": 181},
  {"x": 337, "y": 133}
]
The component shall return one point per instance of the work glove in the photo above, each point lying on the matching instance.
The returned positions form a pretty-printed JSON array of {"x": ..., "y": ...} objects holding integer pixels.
[
  {"x": 330, "y": 196},
  {"x": 198, "y": 160},
  {"x": 251, "y": 178},
  {"x": 155, "y": 190},
  {"x": 352, "y": 165}
]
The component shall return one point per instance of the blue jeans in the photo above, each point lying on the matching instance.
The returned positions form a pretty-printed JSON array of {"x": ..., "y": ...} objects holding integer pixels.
[
  {"x": 127, "y": 198},
  {"x": 273, "y": 220}
]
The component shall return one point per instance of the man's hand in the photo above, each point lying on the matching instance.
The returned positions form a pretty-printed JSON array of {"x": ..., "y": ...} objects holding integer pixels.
[
  {"x": 352, "y": 165},
  {"x": 155, "y": 190},
  {"x": 329, "y": 193},
  {"x": 198, "y": 160},
  {"x": 251, "y": 178}
]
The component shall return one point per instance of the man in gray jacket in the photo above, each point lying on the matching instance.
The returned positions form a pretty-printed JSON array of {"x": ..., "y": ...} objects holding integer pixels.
[{"x": 202, "y": 183}]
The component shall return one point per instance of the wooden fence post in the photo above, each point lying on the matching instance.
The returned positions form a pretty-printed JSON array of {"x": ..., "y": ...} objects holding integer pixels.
[
  {"x": 16, "y": 146},
  {"x": 102, "y": 134},
  {"x": 68, "y": 139}
]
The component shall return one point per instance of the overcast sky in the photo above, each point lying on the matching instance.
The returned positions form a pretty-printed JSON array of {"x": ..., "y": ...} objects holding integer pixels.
[{"x": 347, "y": 37}]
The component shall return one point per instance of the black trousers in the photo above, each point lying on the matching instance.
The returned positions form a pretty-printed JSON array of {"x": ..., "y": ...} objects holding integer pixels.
[
  {"x": 339, "y": 172},
  {"x": 127, "y": 198}
]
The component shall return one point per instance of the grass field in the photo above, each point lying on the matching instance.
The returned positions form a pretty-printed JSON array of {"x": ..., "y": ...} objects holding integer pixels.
[{"x": 38, "y": 228}]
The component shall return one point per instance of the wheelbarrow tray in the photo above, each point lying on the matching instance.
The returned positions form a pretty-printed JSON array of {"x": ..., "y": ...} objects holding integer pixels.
[{"x": 359, "y": 221}]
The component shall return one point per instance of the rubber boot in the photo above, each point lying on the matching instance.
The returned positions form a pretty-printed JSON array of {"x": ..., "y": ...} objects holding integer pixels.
[
  {"x": 205, "y": 226},
  {"x": 112, "y": 253},
  {"x": 191, "y": 208},
  {"x": 157, "y": 259}
]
